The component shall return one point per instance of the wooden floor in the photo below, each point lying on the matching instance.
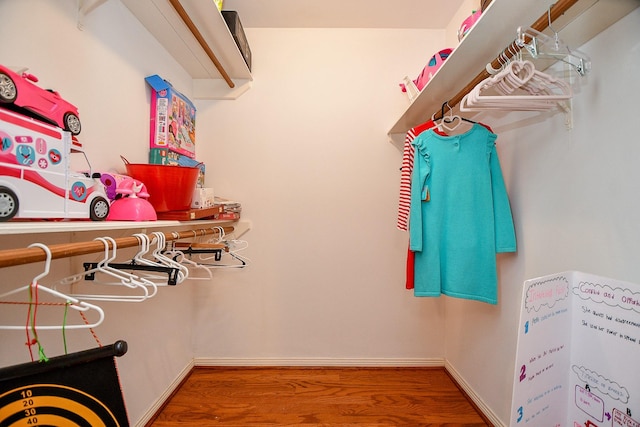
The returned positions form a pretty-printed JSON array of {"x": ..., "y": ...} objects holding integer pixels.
[{"x": 268, "y": 396}]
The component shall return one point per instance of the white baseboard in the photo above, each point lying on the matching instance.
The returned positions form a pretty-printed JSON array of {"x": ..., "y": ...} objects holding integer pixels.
[
  {"x": 316, "y": 361},
  {"x": 153, "y": 410},
  {"x": 482, "y": 406}
]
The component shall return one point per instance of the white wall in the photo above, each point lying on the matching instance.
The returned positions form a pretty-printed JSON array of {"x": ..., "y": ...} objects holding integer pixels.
[
  {"x": 573, "y": 197},
  {"x": 306, "y": 152}
]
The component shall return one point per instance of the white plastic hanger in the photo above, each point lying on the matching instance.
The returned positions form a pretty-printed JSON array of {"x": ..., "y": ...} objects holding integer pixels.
[
  {"x": 519, "y": 86},
  {"x": 541, "y": 45},
  {"x": 72, "y": 302}
]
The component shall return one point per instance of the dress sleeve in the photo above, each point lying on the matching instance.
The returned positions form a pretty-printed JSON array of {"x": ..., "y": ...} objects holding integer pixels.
[
  {"x": 504, "y": 229},
  {"x": 419, "y": 190},
  {"x": 404, "y": 203}
]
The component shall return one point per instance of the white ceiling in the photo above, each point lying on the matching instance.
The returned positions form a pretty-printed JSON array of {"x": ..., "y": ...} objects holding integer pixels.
[{"x": 425, "y": 14}]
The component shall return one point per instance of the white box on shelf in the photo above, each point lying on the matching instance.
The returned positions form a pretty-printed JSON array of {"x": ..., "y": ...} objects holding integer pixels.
[{"x": 202, "y": 198}]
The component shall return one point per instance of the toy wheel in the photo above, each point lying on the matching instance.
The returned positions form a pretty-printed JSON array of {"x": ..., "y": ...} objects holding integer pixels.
[
  {"x": 72, "y": 123},
  {"x": 99, "y": 209},
  {"x": 8, "y": 91},
  {"x": 8, "y": 204}
]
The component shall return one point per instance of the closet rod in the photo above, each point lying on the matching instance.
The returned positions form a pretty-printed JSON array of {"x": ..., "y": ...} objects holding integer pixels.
[
  {"x": 12, "y": 257},
  {"x": 203, "y": 43},
  {"x": 541, "y": 24}
]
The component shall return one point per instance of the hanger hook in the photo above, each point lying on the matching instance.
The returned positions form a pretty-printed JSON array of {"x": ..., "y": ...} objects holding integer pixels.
[
  {"x": 47, "y": 261},
  {"x": 115, "y": 247},
  {"x": 106, "y": 250},
  {"x": 143, "y": 243}
]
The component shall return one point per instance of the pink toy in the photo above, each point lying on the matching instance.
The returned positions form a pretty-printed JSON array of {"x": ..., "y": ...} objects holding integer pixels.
[
  {"x": 111, "y": 181},
  {"x": 18, "y": 88},
  {"x": 132, "y": 206},
  {"x": 116, "y": 184},
  {"x": 468, "y": 23},
  {"x": 430, "y": 69}
]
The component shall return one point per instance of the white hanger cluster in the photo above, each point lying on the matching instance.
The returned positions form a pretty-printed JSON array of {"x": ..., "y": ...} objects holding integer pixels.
[
  {"x": 518, "y": 86},
  {"x": 139, "y": 288},
  {"x": 135, "y": 281},
  {"x": 221, "y": 252}
]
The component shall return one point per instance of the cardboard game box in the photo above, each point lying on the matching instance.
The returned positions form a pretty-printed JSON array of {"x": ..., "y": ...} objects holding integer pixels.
[
  {"x": 163, "y": 156},
  {"x": 173, "y": 118}
]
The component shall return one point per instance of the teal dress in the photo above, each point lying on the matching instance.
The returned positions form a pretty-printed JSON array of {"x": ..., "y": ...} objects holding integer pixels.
[{"x": 460, "y": 215}]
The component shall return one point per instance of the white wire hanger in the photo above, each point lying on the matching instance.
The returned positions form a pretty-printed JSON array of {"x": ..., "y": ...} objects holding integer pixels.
[
  {"x": 162, "y": 259},
  {"x": 159, "y": 273},
  {"x": 232, "y": 249},
  {"x": 194, "y": 267},
  {"x": 104, "y": 274},
  {"x": 36, "y": 287}
]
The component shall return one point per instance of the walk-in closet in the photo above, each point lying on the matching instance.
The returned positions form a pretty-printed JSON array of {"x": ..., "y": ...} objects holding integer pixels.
[{"x": 483, "y": 225}]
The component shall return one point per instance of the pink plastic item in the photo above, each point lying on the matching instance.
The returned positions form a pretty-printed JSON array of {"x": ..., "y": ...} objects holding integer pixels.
[
  {"x": 111, "y": 183},
  {"x": 430, "y": 69},
  {"x": 132, "y": 207},
  {"x": 468, "y": 23}
]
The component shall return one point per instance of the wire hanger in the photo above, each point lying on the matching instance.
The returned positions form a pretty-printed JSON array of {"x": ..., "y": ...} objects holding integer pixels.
[
  {"x": 35, "y": 287},
  {"x": 232, "y": 249},
  {"x": 159, "y": 274},
  {"x": 122, "y": 278},
  {"x": 160, "y": 258},
  {"x": 153, "y": 265},
  {"x": 176, "y": 253}
]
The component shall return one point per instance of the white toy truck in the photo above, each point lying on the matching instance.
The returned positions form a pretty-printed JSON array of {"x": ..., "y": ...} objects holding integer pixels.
[{"x": 36, "y": 180}]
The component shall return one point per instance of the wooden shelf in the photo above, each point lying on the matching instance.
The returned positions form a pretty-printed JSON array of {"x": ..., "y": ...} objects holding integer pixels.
[
  {"x": 34, "y": 227},
  {"x": 164, "y": 23},
  {"x": 191, "y": 214},
  {"x": 495, "y": 30}
]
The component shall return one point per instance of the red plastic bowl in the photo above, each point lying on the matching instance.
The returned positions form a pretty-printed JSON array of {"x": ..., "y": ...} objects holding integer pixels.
[{"x": 170, "y": 187}]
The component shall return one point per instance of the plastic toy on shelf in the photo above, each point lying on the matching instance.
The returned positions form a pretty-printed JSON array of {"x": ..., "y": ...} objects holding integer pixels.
[
  {"x": 36, "y": 179},
  {"x": 434, "y": 64},
  {"x": 132, "y": 206},
  {"x": 468, "y": 23},
  {"x": 18, "y": 88}
]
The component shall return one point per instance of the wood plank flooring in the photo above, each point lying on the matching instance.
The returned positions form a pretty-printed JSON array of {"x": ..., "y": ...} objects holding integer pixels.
[{"x": 292, "y": 396}]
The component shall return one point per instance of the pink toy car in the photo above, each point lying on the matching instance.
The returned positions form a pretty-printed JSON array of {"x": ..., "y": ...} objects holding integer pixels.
[{"x": 18, "y": 88}]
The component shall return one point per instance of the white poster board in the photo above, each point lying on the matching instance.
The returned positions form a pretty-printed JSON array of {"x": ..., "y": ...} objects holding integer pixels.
[{"x": 578, "y": 354}]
